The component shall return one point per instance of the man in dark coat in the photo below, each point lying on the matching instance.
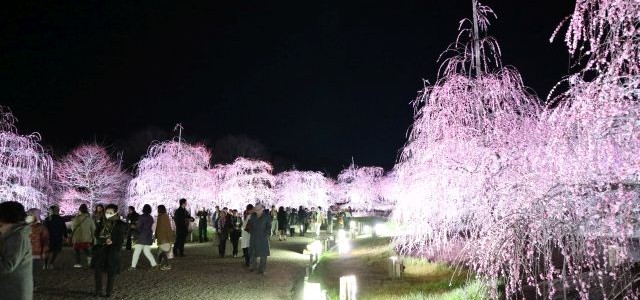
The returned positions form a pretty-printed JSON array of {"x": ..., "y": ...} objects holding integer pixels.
[
  {"x": 132, "y": 222},
  {"x": 57, "y": 232},
  {"x": 106, "y": 252},
  {"x": 182, "y": 219},
  {"x": 236, "y": 231},
  {"x": 303, "y": 220},
  {"x": 260, "y": 226},
  {"x": 202, "y": 215}
]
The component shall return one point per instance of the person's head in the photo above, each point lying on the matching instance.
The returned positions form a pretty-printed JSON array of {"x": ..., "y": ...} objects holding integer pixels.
[
  {"x": 225, "y": 209},
  {"x": 111, "y": 211},
  {"x": 54, "y": 210},
  {"x": 33, "y": 216},
  {"x": 162, "y": 209},
  {"x": 273, "y": 207},
  {"x": 146, "y": 209},
  {"x": 99, "y": 208},
  {"x": 12, "y": 212},
  {"x": 202, "y": 208},
  {"x": 319, "y": 208},
  {"x": 183, "y": 202},
  {"x": 132, "y": 209},
  {"x": 217, "y": 208},
  {"x": 300, "y": 208},
  {"x": 281, "y": 209},
  {"x": 259, "y": 209},
  {"x": 223, "y": 213},
  {"x": 83, "y": 209}
]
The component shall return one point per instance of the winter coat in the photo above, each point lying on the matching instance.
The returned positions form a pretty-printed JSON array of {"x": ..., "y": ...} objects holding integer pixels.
[
  {"x": 283, "y": 220},
  {"x": 144, "y": 230},
  {"x": 57, "y": 231},
  {"x": 83, "y": 229},
  {"x": 16, "y": 278},
  {"x": 246, "y": 236},
  {"x": 302, "y": 217},
  {"x": 107, "y": 257},
  {"x": 39, "y": 241},
  {"x": 164, "y": 233},
  {"x": 182, "y": 218},
  {"x": 260, "y": 231},
  {"x": 293, "y": 218},
  {"x": 224, "y": 224},
  {"x": 202, "y": 218}
]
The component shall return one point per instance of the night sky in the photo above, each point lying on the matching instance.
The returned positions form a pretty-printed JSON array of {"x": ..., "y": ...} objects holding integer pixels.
[{"x": 314, "y": 81}]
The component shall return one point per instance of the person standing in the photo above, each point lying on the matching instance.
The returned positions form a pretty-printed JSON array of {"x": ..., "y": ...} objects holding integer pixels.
[
  {"x": 274, "y": 220},
  {"x": 224, "y": 227},
  {"x": 319, "y": 220},
  {"x": 246, "y": 234},
  {"x": 144, "y": 238},
  {"x": 109, "y": 239},
  {"x": 165, "y": 236},
  {"x": 132, "y": 224},
  {"x": 57, "y": 232},
  {"x": 302, "y": 220},
  {"x": 214, "y": 218},
  {"x": 39, "y": 241},
  {"x": 330, "y": 220},
  {"x": 98, "y": 215},
  {"x": 283, "y": 223},
  {"x": 236, "y": 231},
  {"x": 182, "y": 219},
  {"x": 203, "y": 216},
  {"x": 16, "y": 271},
  {"x": 293, "y": 222},
  {"x": 260, "y": 227},
  {"x": 83, "y": 229}
]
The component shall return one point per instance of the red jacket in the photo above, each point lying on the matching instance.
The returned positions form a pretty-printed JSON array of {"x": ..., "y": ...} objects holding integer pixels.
[{"x": 39, "y": 240}]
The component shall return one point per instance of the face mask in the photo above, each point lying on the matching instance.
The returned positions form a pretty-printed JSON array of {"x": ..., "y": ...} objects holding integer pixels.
[
  {"x": 109, "y": 215},
  {"x": 30, "y": 219}
]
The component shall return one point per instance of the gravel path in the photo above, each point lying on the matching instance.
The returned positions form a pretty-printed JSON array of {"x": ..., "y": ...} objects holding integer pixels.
[{"x": 201, "y": 274}]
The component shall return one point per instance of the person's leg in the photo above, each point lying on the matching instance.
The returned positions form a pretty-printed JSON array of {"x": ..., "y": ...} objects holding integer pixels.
[
  {"x": 111, "y": 278},
  {"x": 263, "y": 264},
  {"x": 254, "y": 263},
  {"x": 87, "y": 252},
  {"x": 147, "y": 253},
  {"x": 128, "y": 246},
  {"x": 137, "y": 248},
  {"x": 245, "y": 254},
  {"x": 97, "y": 275},
  {"x": 77, "y": 253}
]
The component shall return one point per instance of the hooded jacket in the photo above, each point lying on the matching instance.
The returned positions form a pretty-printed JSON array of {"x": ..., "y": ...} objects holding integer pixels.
[{"x": 16, "y": 279}]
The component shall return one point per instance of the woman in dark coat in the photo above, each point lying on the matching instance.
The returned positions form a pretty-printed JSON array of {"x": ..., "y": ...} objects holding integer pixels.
[
  {"x": 106, "y": 253},
  {"x": 260, "y": 227},
  {"x": 283, "y": 223},
  {"x": 144, "y": 238},
  {"x": 57, "y": 232}
]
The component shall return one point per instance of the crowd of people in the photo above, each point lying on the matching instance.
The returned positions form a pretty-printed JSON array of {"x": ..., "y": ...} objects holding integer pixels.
[{"x": 28, "y": 242}]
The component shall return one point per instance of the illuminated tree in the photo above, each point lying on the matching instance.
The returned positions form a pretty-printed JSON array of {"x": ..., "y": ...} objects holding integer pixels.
[
  {"x": 242, "y": 182},
  {"x": 88, "y": 175},
  {"x": 307, "y": 188},
  {"x": 358, "y": 187},
  {"x": 25, "y": 168},
  {"x": 172, "y": 170}
]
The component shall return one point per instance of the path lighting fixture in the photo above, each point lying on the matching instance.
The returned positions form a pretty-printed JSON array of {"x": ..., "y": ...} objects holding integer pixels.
[
  {"x": 348, "y": 287},
  {"x": 344, "y": 246},
  {"x": 313, "y": 291},
  {"x": 396, "y": 267}
]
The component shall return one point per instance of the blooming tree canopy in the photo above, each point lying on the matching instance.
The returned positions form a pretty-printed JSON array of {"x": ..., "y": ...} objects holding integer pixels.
[
  {"x": 25, "y": 168},
  {"x": 88, "y": 175},
  {"x": 242, "y": 182},
  {"x": 172, "y": 170},
  {"x": 358, "y": 187},
  {"x": 302, "y": 188}
]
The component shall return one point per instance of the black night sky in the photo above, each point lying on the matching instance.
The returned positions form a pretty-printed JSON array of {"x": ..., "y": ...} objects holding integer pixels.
[{"x": 316, "y": 82}]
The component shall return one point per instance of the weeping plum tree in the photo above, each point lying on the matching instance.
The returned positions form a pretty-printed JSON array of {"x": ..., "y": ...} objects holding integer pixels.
[
  {"x": 358, "y": 187},
  {"x": 535, "y": 200},
  {"x": 88, "y": 175},
  {"x": 25, "y": 168},
  {"x": 302, "y": 188},
  {"x": 172, "y": 170},
  {"x": 242, "y": 182}
]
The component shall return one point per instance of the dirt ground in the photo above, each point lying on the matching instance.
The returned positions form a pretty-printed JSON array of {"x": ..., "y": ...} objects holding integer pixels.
[{"x": 201, "y": 274}]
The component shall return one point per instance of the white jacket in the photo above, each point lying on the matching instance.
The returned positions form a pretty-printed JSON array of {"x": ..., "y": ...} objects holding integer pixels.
[{"x": 245, "y": 237}]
